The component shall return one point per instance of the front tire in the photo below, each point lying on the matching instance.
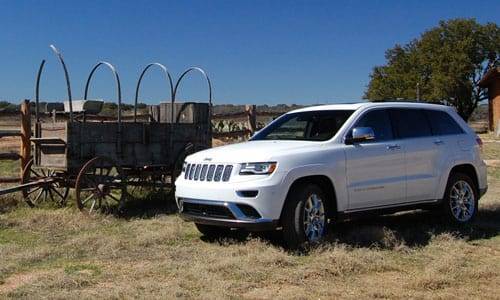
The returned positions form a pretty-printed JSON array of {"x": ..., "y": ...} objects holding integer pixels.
[
  {"x": 460, "y": 201},
  {"x": 304, "y": 216}
]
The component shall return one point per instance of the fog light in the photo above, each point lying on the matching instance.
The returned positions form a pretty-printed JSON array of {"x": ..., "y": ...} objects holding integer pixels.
[{"x": 247, "y": 194}]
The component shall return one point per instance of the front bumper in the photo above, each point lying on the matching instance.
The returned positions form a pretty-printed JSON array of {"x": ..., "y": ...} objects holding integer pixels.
[
  {"x": 264, "y": 194},
  {"x": 225, "y": 214}
]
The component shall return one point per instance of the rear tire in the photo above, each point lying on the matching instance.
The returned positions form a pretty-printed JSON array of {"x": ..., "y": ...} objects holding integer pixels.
[
  {"x": 304, "y": 216},
  {"x": 460, "y": 202}
]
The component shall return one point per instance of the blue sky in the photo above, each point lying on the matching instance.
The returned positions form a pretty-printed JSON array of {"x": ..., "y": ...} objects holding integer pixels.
[{"x": 270, "y": 52}]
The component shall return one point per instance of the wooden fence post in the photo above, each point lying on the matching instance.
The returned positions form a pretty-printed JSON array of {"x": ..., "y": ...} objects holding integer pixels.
[
  {"x": 25, "y": 134},
  {"x": 252, "y": 117}
]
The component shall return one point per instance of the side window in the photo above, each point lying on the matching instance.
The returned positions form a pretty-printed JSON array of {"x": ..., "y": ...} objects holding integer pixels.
[
  {"x": 442, "y": 123},
  {"x": 380, "y": 122},
  {"x": 410, "y": 123}
]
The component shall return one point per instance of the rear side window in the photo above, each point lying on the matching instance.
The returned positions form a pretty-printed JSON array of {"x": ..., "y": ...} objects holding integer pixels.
[
  {"x": 380, "y": 122},
  {"x": 410, "y": 123},
  {"x": 442, "y": 123}
]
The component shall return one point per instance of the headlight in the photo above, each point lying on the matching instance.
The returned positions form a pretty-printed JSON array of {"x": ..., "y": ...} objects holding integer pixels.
[{"x": 260, "y": 168}]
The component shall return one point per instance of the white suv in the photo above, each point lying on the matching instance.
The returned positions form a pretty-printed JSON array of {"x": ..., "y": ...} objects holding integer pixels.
[{"x": 315, "y": 165}]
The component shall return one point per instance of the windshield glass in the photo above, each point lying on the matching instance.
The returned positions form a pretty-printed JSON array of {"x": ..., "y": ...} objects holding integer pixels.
[{"x": 319, "y": 125}]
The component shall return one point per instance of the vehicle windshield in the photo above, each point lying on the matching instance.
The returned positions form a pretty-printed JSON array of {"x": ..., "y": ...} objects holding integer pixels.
[{"x": 318, "y": 125}]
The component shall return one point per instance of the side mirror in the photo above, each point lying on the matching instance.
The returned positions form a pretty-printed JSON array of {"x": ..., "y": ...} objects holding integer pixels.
[{"x": 360, "y": 134}]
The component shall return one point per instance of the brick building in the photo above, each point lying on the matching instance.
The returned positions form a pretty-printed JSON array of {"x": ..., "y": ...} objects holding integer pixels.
[{"x": 491, "y": 81}]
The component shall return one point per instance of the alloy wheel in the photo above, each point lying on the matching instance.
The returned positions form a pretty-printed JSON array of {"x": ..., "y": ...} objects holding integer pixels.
[
  {"x": 462, "y": 201},
  {"x": 314, "y": 218}
]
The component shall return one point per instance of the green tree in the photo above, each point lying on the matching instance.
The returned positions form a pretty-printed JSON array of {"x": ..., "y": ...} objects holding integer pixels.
[
  {"x": 7, "y": 106},
  {"x": 444, "y": 64}
]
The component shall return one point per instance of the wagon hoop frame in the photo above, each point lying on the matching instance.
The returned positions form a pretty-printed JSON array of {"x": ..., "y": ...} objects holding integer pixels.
[
  {"x": 117, "y": 81},
  {"x": 209, "y": 89},
  {"x": 68, "y": 84},
  {"x": 168, "y": 77}
]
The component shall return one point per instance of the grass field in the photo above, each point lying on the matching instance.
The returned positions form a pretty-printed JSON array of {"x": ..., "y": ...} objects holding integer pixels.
[{"x": 59, "y": 253}]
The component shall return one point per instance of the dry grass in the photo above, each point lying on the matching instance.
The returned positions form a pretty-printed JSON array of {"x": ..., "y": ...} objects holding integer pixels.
[
  {"x": 491, "y": 149},
  {"x": 59, "y": 253}
]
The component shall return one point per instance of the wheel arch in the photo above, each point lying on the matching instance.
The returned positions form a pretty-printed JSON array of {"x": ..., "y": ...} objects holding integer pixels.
[
  {"x": 469, "y": 170},
  {"x": 464, "y": 168},
  {"x": 324, "y": 182}
]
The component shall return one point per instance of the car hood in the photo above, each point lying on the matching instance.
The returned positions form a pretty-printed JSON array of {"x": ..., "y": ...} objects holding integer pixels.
[{"x": 252, "y": 151}]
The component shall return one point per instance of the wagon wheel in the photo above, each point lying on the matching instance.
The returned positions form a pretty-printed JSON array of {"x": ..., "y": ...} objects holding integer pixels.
[
  {"x": 51, "y": 189},
  {"x": 100, "y": 186}
]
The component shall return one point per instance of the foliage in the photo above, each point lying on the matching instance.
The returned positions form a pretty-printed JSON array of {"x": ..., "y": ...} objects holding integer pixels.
[
  {"x": 7, "y": 106},
  {"x": 446, "y": 62},
  {"x": 141, "y": 105},
  {"x": 111, "y": 108}
]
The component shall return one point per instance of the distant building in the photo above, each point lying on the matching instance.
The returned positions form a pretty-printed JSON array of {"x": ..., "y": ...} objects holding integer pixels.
[{"x": 491, "y": 81}]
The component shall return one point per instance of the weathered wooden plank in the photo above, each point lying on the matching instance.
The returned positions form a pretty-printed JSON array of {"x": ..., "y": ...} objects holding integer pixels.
[
  {"x": 9, "y": 179},
  {"x": 53, "y": 154},
  {"x": 48, "y": 141},
  {"x": 10, "y": 156},
  {"x": 188, "y": 112},
  {"x": 9, "y": 133},
  {"x": 21, "y": 187},
  {"x": 232, "y": 134},
  {"x": 251, "y": 111},
  {"x": 25, "y": 150}
]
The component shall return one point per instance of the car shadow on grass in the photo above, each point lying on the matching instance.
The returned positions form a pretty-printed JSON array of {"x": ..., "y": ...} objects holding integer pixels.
[
  {"x": 411, "y": 229},
  {"x": 148, "y": 206}
]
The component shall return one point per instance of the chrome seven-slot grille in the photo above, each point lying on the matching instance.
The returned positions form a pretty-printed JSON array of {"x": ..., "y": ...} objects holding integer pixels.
[{"x": 208, "y": 172}]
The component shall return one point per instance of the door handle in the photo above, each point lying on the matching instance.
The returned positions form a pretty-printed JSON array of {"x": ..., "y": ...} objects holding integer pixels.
[
  {"x": 393, "y": 147},
  {"x": 438, "y": 142}
]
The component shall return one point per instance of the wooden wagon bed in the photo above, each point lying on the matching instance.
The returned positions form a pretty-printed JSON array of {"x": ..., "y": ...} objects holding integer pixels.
[{"x": 102, "y": 160}]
